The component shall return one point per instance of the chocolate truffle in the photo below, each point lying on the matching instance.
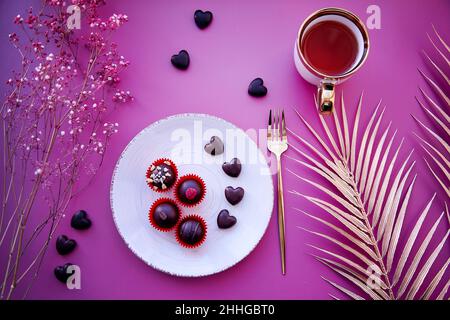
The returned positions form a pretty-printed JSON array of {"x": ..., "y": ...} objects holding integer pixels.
[
  {"x": 191, "y": 232},
  {"x": 165, "y": 215},
  {"x": 190, "y": 190},
  {"x": 161, "y": 175}
]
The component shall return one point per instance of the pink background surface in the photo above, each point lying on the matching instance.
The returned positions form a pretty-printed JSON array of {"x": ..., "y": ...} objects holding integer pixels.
[{"x": 247, "y": 39}]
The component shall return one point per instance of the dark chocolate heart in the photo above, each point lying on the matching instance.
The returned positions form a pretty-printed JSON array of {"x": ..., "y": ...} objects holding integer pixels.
[
  {"x": 256, "y": 88},
  {"x": 64, "y": 245},
  {"x": 215, "y": 146},
  {"x": 181, "y": 60},
  {"x": 61, "y": 272},
  {"x": 80, "y": 220},
  {"x": 225, "y": 220},
  {"x": 232, "y": 168},
  {"x": 203, "y": 19},
  {"x": 234, "y": 195}
]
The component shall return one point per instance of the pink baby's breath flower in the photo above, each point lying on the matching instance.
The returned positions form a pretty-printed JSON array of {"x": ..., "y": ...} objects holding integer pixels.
[
  {"x": 38, "y": 46},
  {"x": 18, "y": 19},
  {"x": 55, "y": 108},
  {"x": 31, "y": 20},
  {"x": 116, "y": 20},
  {"x": 13, "y": 37},
  {"x": 123, "y": 96}
]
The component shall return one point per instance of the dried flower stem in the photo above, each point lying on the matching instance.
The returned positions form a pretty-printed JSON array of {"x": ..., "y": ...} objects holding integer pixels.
[{"x": 46, "y": 100}]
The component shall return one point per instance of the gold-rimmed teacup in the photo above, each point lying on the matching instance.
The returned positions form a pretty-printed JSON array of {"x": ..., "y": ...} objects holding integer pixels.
[{"x": 326, "y": 82}]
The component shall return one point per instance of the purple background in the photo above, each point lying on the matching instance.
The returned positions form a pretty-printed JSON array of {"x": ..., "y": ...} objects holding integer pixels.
[{"x": 247, "y": 39}]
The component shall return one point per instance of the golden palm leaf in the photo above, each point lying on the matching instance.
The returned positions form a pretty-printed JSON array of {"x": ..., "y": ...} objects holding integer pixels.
[
  {"x": 437, "y": 135},
  {"x": 370, "y": 196}
]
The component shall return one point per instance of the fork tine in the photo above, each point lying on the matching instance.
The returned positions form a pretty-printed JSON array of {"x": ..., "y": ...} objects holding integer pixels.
[
  {"x": 283, "y": 127},
  {"x": 273, "y": 123},
  {"x": 277, "y": 124},
  {"x": 269, "y": 126}
]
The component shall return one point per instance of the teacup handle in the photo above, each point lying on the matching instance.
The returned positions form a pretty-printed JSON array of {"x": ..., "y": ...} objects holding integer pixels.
[{"x": 325, "y": 96}]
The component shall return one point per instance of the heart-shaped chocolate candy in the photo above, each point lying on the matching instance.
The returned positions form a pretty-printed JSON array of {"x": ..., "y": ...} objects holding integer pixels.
[
  {"x": 61, "y": 272},
  {"x": 257, "y": 88},
  {"x": 232, "y": 168},
  {"x": 214, "y": 146},
  {"x": 225, "y": 220},
  {"x": 203, "y": 19},
  {"x": 80, "y": 220},
  {"x": 234, "y": 195},
  {"x": 64, "y": 245},
  {"x": 181, "y": 60}
]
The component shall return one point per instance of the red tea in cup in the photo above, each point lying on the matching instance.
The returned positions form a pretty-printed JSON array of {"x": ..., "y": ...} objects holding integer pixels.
[{"x": 330, "y": 47}]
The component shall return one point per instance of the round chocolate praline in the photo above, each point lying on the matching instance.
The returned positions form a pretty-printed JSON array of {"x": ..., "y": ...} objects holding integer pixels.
[
  {"x": 162, "y": 176},
  {"x": 166, "y": 215},
  {"x": 190, "y": 191},
  {"x": 191, "y": 232}
]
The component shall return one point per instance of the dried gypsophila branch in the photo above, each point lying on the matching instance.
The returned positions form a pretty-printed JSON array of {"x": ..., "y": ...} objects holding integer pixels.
[{"x": 52, "y": 122}]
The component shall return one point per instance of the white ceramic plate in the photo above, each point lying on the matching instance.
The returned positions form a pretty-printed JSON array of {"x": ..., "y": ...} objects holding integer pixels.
[{"x": 182, "y": 138}]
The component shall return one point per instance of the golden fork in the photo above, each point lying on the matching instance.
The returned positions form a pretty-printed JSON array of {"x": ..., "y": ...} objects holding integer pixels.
[{"x": 277, "y": 144}]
